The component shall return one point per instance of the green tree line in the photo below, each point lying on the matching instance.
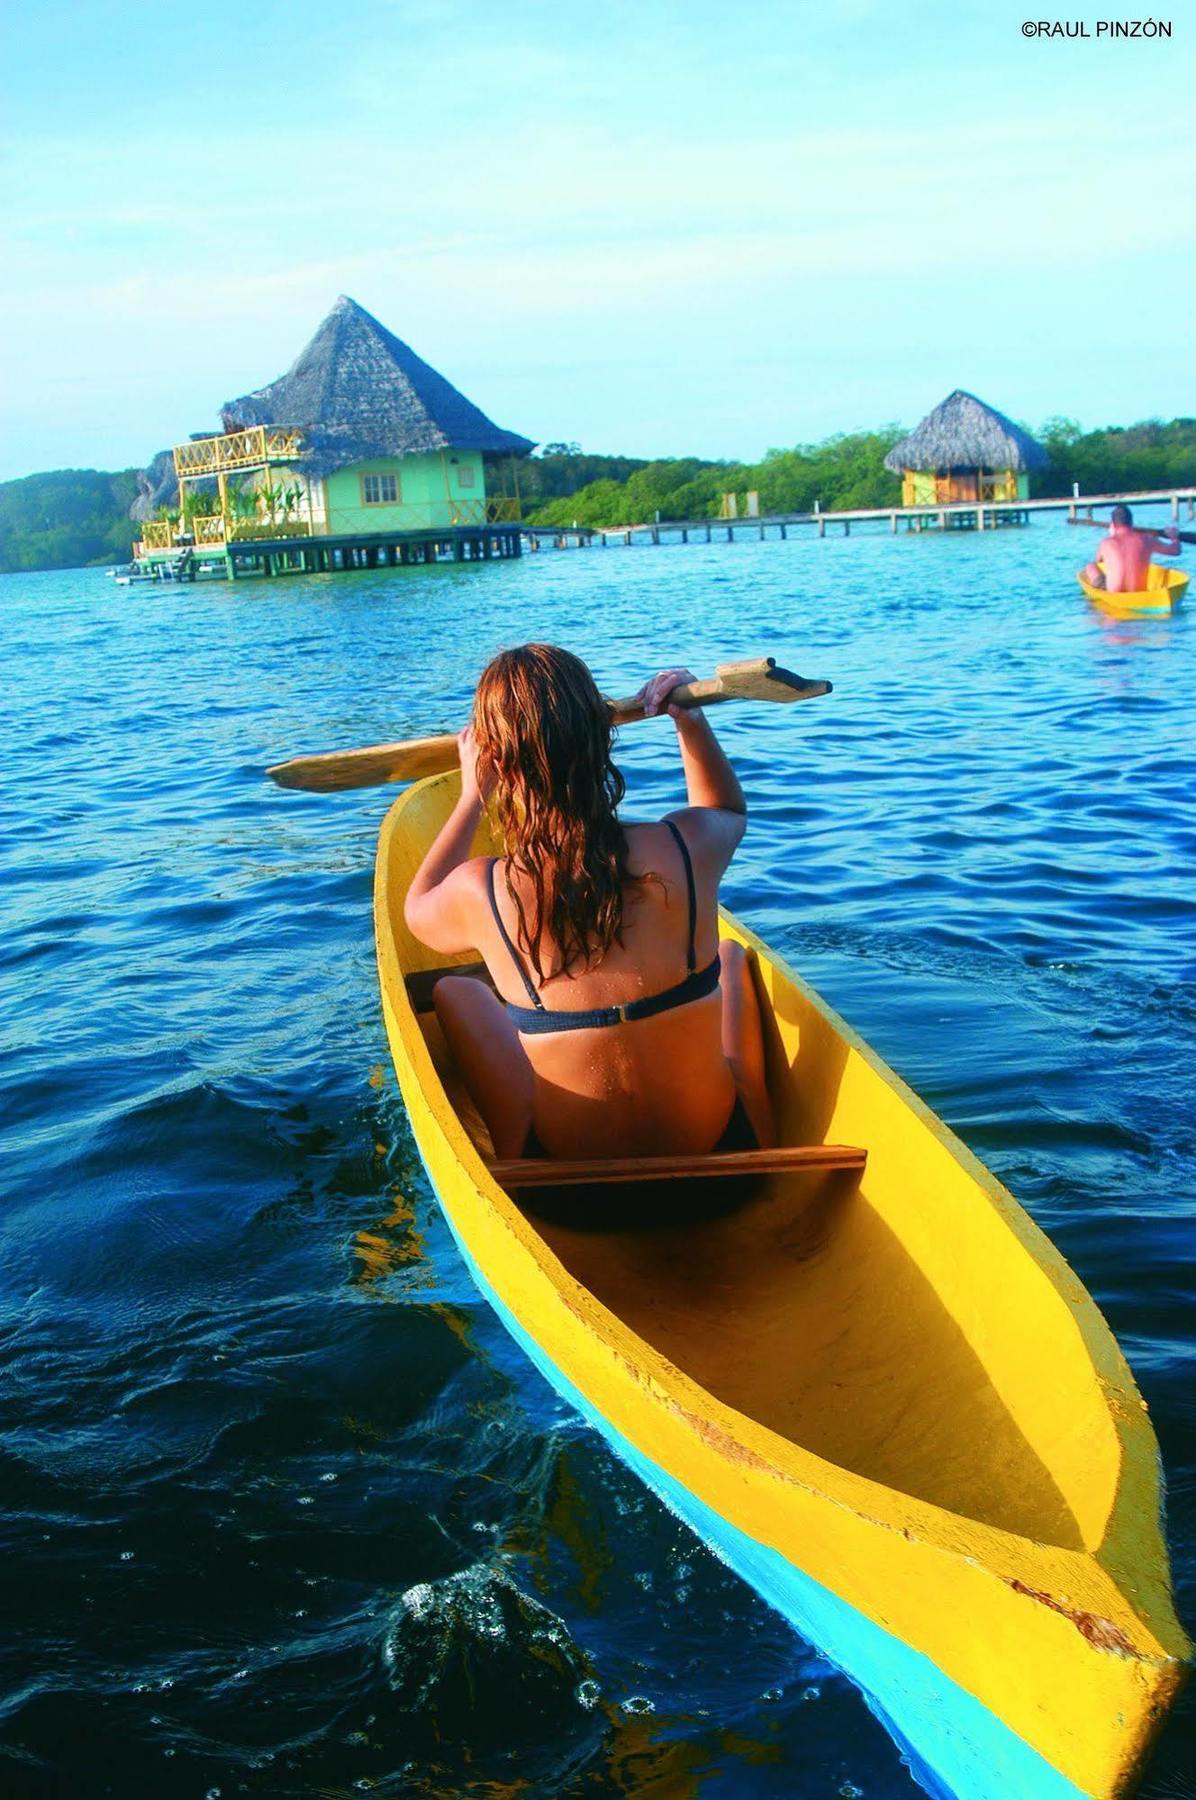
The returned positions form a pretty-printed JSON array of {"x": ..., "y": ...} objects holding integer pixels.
[
  {"x": 70, "y": 517},
  {"x": 847, "y": 471},
  {"x": 66, "y": 518}
]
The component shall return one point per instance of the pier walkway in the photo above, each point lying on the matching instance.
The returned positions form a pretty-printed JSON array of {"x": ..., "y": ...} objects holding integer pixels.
[{"x": 968, "y": 516}]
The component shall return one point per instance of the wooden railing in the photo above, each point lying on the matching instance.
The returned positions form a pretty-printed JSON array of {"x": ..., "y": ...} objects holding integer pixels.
[
  {"x": 467, "y": 512},
  {"x": 207, "y": 529},
  {"x": 254, "y": 447},
  {"x": 248, "y": 531},
  {"x": 498, "y": 509}
]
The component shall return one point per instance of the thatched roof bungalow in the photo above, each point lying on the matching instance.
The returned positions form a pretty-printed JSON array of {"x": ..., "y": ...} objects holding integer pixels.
[
  {"x": 965, "y": 450},
  {"x": 360, "y": 393},
  {"x": 361, "y": 434}
]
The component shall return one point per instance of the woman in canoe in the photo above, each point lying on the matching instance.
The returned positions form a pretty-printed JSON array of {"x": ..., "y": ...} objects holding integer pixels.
[{"x": 620, "y": 1027}]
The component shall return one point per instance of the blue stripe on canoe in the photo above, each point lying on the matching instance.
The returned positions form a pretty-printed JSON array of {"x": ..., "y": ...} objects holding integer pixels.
[{"x": 957, "y": 1749}]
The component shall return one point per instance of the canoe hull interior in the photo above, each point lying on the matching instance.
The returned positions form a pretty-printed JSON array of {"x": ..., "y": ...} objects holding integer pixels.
[
  {"x": 838, "y": 1381},
  {"x": 955, "y": 1746}
]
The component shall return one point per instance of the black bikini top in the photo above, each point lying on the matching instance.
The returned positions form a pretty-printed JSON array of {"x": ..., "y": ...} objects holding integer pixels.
[{"x": 536, "y": 1017}]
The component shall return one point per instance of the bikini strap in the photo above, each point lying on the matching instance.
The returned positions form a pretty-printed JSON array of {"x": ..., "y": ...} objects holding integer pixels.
[
  {"x": 506, "y": 938},
  {"x": 691, "y": 960}
]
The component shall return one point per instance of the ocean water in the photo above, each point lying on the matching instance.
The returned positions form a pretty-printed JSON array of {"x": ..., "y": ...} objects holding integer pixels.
[{"x": 284, "y": 1511}]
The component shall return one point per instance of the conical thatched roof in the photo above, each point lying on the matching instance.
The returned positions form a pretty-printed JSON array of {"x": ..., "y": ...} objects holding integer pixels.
[
  {"x": 963, "y": 433},
  {"x": 358, "y": 392}
]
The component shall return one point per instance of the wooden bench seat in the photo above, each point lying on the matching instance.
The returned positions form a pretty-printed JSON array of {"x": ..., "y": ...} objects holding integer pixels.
[{"x": 524, "y": 1171}]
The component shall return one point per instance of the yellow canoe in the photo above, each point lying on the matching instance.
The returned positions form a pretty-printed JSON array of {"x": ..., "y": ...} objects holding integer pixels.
[
  {"x": 883, "y": 1398},
  {"x": 1164, "y": 591}
]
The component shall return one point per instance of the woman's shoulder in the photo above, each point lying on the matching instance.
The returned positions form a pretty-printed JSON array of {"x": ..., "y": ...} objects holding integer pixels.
[
  {"x": 709, "y": 833},
  {"x": 473, "y": 877}
]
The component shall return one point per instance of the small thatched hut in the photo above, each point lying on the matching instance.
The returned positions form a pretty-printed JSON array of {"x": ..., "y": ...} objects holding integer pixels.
[
  {"x": 965, "y": 450},
  {"x": 373, "y": 440}
]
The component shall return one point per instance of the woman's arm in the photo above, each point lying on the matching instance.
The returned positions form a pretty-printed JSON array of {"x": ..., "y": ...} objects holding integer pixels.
[
  {"x": 710, "y": 781},
  {"x": 439, "y": 908}
]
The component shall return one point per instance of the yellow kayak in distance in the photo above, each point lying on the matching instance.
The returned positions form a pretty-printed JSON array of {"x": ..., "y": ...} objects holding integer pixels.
[
  {"x": 879, "y": 1393},
  {"x": 1164, "y": 591}
]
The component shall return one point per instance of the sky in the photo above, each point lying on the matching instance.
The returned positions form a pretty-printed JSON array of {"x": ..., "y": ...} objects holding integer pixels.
[{"x": 652, "y": 229}]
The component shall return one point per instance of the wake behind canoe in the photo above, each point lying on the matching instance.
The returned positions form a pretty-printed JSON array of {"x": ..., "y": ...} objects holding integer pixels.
[{"x": 839, "y": 1382}]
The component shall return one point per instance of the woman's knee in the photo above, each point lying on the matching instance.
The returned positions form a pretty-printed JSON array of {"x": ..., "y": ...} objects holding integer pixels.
[{"x": 459, "y": 996}]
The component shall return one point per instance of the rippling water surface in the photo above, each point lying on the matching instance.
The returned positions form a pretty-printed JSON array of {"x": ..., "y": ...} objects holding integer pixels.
[{"x": 285, "y": 1513}]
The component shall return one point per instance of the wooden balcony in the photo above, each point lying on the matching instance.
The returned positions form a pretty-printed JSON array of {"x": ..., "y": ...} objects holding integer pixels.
[{"x": 254, "y": 448}]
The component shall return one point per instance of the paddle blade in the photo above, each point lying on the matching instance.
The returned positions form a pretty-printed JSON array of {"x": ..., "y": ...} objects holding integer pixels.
[
  {"x": 334, "y": 770},
  {"x": 764, "y": 679},
  {"x": 759, "y": 679}
]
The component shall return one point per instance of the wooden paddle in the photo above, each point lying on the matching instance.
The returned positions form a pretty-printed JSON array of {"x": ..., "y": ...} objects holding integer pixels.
[
  {"x": 1185, "y": 537},
  {"x": 414, "y": 758}
]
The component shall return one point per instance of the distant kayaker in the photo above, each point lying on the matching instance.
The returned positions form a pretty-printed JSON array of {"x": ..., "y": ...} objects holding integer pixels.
[
  {"x": 619, "y": 1026},
  {"x": 1122, "y": 563}
]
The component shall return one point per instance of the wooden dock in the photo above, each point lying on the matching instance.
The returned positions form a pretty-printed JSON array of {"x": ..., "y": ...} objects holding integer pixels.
[
  {"x": 307, "y": 555},
  {"x": 967, "y": 516},
  {"x": 386, "y": 550}
]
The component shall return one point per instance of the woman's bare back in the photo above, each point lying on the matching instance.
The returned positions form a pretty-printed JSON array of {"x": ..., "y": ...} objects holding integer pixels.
[
  {"x": 653, "y": 1085},
  {"x": 661, "y": 1081}
]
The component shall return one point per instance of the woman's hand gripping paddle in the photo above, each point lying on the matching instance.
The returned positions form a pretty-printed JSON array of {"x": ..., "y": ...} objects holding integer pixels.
[{"x": 414, "y": 758}]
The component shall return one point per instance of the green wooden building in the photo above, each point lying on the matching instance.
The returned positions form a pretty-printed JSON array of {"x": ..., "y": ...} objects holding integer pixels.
[{"x": 360, "y": 453}]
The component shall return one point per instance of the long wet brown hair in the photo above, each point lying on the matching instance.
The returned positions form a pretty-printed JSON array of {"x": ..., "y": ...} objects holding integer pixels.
[{"x": 543, "y": 733}]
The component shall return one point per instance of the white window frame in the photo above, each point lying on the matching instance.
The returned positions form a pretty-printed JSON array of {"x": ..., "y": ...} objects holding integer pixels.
[{"x": 381, "y": 475}]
